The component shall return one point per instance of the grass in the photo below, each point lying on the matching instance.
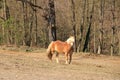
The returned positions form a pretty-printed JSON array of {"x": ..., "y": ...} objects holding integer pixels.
[{"x": 36, "y": 66}]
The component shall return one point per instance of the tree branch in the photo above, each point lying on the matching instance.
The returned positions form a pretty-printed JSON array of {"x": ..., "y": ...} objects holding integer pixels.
[
  {"x": 31, "y": 4},
  {"x": 2, "y": 18}
]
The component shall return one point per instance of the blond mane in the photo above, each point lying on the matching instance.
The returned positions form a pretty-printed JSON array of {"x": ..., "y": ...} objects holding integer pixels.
[{"x": 70, "y": 40}]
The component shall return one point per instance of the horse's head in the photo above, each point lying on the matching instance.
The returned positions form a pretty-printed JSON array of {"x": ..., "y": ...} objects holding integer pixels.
[{"x": 71, "y": 40}]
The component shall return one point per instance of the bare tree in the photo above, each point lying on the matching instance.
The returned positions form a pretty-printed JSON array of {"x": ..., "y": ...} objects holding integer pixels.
[
  {"x": 82, "y": 27},
  {"x": 113, "y": 27},
  {"x": 74, "y": 23},
  {"x": 102, "y": 4},
  {"x": 119, "y": 42},
  {"x": 51, "y": 21},
  {"x": 6, "y": 19},
  {"x": 50, "y": 17},
  {"x": 29, "y": 15},
  {"x": 87, "y": 39},
  {"x": 36, "y": 24}
]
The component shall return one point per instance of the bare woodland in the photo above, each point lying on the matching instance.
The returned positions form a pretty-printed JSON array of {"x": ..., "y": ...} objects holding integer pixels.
[{"x": 94, "y": 23}]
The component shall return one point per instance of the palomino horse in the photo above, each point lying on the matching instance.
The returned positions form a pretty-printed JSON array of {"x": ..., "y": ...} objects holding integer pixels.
[{"x": 61, "y": 47}]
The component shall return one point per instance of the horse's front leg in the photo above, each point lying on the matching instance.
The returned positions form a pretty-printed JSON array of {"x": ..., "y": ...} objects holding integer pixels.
[{"x": 70, "y": 57}]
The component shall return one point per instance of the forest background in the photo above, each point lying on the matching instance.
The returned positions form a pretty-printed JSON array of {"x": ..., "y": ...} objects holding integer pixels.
[{"x": 94, "y": 23}]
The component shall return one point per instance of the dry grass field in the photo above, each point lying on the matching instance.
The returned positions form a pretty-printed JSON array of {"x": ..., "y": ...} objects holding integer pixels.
[{"x": 34, "y": 65}]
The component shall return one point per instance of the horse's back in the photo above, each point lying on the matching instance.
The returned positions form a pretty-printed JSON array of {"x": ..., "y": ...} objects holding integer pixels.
[{"x": 61, "y": 46}]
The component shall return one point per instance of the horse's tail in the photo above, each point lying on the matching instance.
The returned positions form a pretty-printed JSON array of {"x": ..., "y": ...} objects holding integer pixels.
[{"x": 49, "y": 52}]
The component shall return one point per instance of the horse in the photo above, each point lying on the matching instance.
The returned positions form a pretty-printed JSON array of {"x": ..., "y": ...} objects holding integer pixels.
[{"x": 61, "y": 47}]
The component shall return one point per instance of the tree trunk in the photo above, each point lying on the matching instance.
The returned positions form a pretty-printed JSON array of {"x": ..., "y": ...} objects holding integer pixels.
[
  {"x": 31, "y": 28},
  {"x": 80, "y": 43},
  {"x": 94, "y": 38},
  {"x": 3, "y": 28},
  {"x": 24, "y": 22},
  {"x": 51, "y": 21},
  {"x": 85, "y": 48},
  {"x": 74, "y": 23},
  {"x": 102, "y": 3},
  {"x": 36, "y": 25},
  {"x": 113, "y": 27},
  {"x": 5, "y": 18},
  {"x": 119, "y": 42}
]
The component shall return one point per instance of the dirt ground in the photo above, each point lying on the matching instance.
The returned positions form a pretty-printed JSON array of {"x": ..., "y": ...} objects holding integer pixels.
[{"x": 19, "y": 65}]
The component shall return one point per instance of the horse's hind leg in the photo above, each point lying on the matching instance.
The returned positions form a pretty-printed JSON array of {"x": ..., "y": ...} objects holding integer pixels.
[{"x": 57, "y": 54}]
